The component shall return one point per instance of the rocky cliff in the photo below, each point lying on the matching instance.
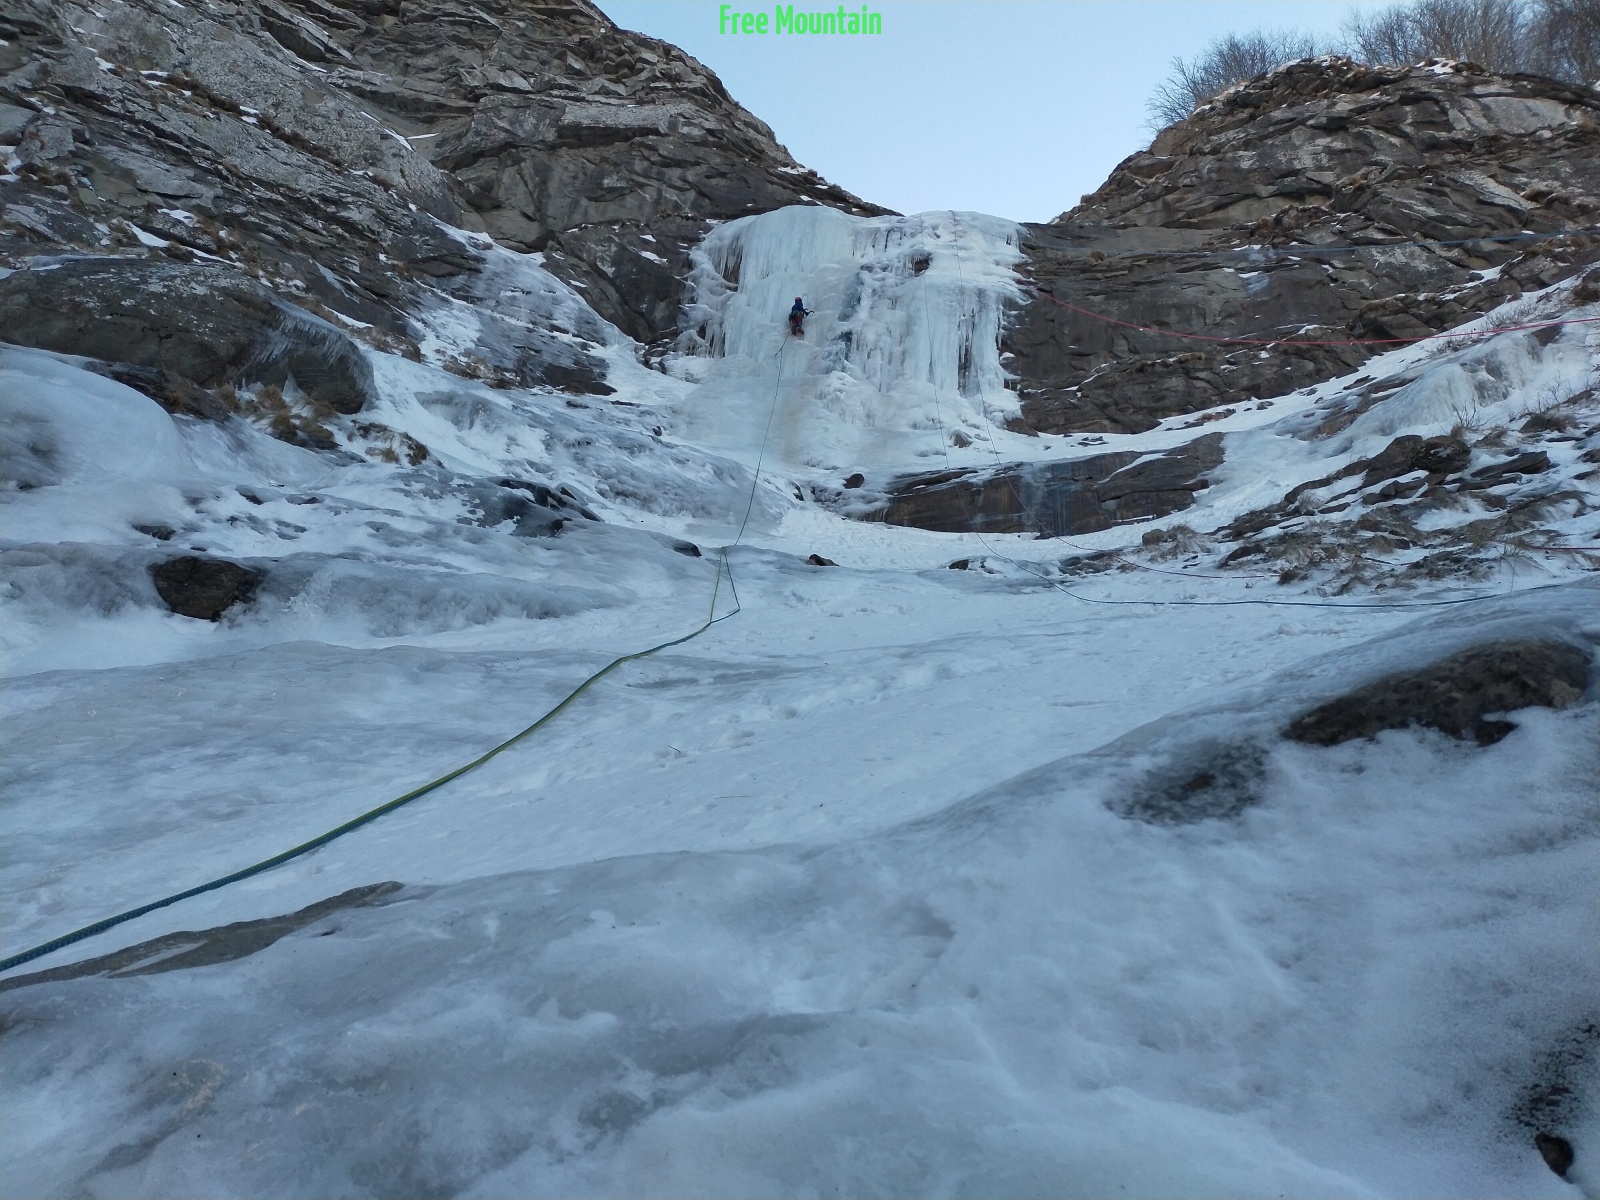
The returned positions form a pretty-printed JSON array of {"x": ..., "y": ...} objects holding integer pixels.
[
  {"x": 338, "y": 154},
  {"x": 1227, "y": 226},
  {"x": 215, "y": 201}
]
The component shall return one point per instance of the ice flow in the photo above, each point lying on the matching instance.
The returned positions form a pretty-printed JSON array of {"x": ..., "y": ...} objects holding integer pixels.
[{"x": 904, "y": 338}]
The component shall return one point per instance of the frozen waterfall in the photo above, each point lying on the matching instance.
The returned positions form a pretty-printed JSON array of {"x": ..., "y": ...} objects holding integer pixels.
[{"x": 902, "y": 351}]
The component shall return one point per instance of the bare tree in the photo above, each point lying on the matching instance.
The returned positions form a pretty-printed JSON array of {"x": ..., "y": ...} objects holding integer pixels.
[
  {"x": 1225, "y": 62},
  {"x": 1567, "y": 34},
  {"x": 1497, "y": 34},
  {"x": 1559, "y": 38}
]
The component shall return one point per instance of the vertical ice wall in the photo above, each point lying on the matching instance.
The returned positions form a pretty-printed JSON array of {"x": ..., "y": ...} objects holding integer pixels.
[{"x": 907, "y": 317}]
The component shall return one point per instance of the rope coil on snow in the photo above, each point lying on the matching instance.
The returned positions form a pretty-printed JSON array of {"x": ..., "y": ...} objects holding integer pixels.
[{"x": 267, "y": 864}]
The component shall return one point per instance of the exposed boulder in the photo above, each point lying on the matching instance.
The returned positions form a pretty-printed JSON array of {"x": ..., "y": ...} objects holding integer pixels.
[
  {"x": 535, "y": 509},
  {"x": 1217, "y": 230},
  {"x": 1439, "y": 456},
  {"x": 583, "y": 376},
  {"x": 174, "y": 322},
  {"x": 1456, "y": 695},
  {"x": 204, "y": 588},
  {"x": 1556, "y": 1152},
  {"x": 1054, "y": 499},
  {"x": 1208, "y": 782},
  {"x": 171, "y": 391}
]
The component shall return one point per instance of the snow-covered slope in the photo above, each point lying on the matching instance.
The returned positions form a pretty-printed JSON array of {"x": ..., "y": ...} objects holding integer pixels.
[{"x": 863, "y": 891}]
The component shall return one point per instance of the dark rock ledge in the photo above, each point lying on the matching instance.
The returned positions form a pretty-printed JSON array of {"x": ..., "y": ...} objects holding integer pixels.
[{"x": 1079, "y": 496}]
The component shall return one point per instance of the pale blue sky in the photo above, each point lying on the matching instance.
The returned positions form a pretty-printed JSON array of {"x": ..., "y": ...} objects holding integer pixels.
[{"x": 1012, "y": 107}]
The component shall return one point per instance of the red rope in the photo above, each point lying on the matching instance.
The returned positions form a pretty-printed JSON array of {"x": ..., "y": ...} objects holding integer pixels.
[{"x": 1250, "y": 341}]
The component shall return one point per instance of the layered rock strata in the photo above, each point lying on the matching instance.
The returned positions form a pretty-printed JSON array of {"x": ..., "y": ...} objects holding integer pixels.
[
  {"x": 1054, "y": 499},
  {"x": 338, "y": 156},
  {"x": 1227, "y": 226}
]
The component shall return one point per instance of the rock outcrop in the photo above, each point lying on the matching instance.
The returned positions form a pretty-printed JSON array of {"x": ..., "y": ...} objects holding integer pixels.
[
  {"x": 204, "y": 588},
  {"x": 607, "y": 150},
  {"x": 186, "y": 949},
  {"x": 1224, "y": 227},
  {"x": 1055, "y": 499},
  {"x": 341, "y": 153},
  {"x": 1457, "y": 696},
  {"x": 185, "y": 324}
]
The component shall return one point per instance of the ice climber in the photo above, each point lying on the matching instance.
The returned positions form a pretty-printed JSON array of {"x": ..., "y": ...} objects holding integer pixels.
[{"x": 797, "y": 317}]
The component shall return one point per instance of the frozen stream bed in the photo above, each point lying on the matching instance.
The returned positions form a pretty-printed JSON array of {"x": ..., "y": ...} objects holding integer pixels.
[{"x": 867, "y": 891}]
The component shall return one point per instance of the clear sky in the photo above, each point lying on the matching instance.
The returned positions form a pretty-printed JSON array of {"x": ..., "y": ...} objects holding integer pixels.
[{"x": 1011, "y": 107}]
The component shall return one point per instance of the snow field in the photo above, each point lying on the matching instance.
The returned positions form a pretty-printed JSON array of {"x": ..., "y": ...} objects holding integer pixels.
[
  {"x": 1339, "y": 994},
  {"x": 857, "y": 893}
]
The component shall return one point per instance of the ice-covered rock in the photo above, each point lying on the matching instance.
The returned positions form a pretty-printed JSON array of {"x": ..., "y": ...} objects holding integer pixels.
[
  {"x": 206, "y": 324},
  {"x": 1227, "y": 225},
  {"x": 878, "y": 878},
  {"x": 902, "y": 347}
]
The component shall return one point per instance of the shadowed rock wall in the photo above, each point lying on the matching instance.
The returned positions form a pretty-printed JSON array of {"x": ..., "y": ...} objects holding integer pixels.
[
  {"x": 1318, "y": 153},
  {"x": 1055, "y": 499}
]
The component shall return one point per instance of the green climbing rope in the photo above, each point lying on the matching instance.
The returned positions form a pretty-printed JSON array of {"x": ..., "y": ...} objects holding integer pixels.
[{"x": 277, "y": 860}]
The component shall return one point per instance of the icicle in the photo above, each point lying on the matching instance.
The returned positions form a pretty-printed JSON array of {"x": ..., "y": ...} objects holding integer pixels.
[{"x": 909, "y": 307}]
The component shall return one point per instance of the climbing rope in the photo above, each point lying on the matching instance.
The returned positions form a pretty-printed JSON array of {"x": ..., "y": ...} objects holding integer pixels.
[{"x": 277, "y": 860}]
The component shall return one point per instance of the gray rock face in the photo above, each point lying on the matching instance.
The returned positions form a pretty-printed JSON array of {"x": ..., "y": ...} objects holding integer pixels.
[
  {"x": 1323, "y": 153},
  {"x": 315, "y": 146},
  {"x": 1055, "y": 499},
  {"x": 201, "y": 323},
  {"x": 1455, "y": 695},
  {"x": 172, "y": 392},
  {"x": 607, "y": 150},
  {"x": 204, "y": 588},
  {"x": 203, "y": 136}
]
